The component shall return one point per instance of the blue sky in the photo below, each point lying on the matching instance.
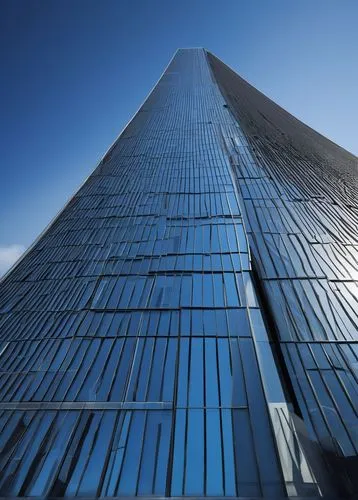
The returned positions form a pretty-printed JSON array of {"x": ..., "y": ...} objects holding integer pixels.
[{"x": 75, "y": 71}]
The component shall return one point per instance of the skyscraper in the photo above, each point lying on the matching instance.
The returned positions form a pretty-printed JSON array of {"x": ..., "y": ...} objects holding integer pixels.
[{"x": 187, "y": 325}]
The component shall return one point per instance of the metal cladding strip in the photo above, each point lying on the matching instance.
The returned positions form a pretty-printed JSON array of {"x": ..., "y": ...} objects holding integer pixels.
[
  {"x": 298, "y": 193},
  {"x": 134, "y": 357}
]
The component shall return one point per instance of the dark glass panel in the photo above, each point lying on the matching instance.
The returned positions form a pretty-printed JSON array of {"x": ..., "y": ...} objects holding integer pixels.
[{"x": 194, "y": 455}]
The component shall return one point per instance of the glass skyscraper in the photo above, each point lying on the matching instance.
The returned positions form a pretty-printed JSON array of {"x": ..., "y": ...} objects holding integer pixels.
[{"x": 187, "y": 325}]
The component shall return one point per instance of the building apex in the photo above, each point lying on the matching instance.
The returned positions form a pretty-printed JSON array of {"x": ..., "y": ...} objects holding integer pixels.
[{"x": 191, "y": 48}]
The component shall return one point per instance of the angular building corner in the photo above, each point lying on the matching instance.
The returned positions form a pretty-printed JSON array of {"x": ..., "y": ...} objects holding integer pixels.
[{"x": 187, "y": 325}]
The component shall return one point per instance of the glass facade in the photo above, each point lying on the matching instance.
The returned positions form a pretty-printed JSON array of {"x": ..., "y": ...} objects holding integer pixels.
[{"x": 186, "y": 326}]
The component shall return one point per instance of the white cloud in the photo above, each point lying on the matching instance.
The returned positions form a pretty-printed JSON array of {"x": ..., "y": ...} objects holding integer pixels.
[{"x": 8, "y": 255}]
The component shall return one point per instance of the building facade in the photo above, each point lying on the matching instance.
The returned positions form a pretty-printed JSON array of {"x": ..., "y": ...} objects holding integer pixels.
[{"x": 187, "y": 325}]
